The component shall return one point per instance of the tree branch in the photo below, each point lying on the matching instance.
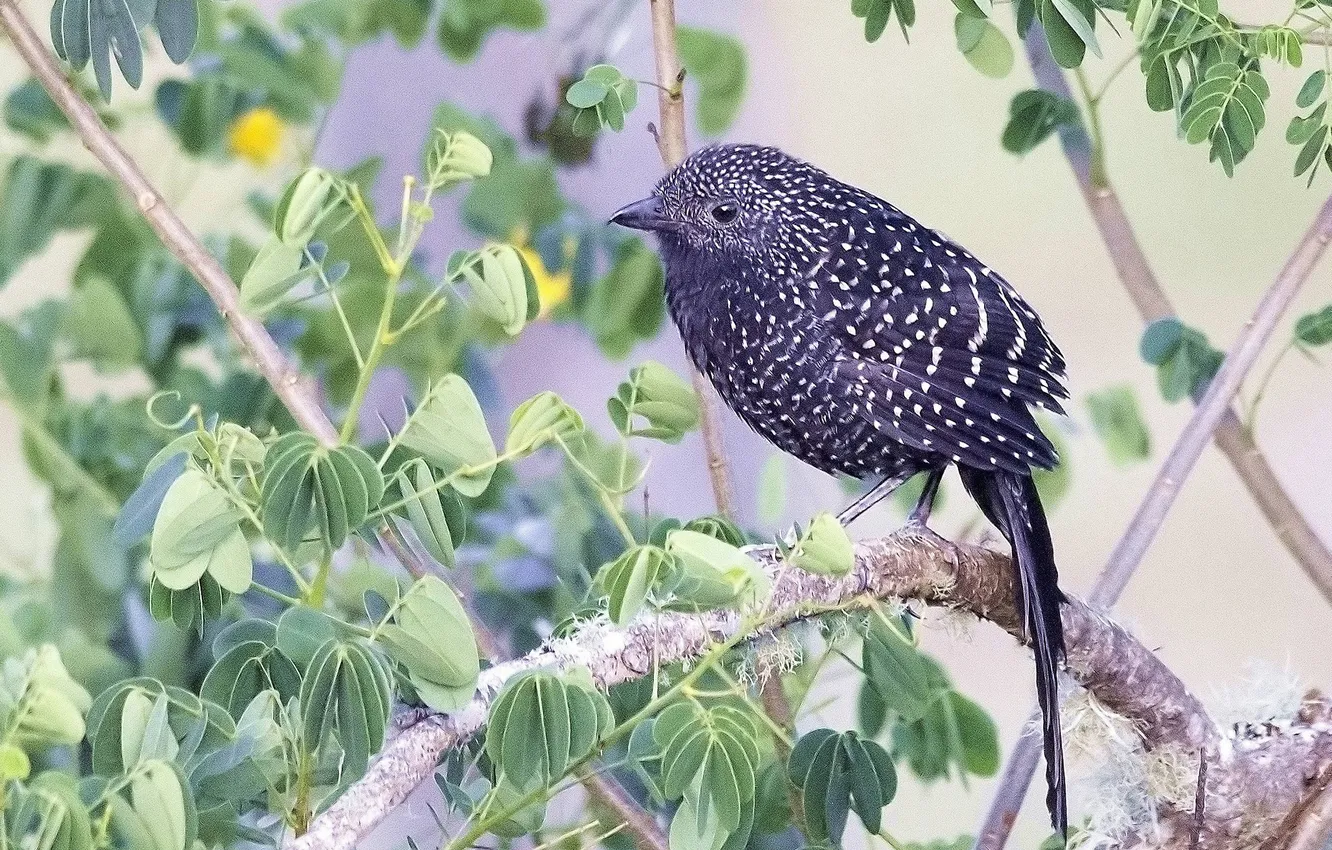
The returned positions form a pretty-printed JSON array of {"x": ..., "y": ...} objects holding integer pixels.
[
  {"x": 1119, "y": 670},
  {"x": 1213, "y": 416},
  {"x": 671, "y": 144}
]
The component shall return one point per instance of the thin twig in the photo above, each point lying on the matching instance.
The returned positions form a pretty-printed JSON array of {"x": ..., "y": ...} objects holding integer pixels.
[
  {"x": 1213, "y": 413},
  {"x": 1199, "y": 801},
  {"x": 670, "y": 138}
]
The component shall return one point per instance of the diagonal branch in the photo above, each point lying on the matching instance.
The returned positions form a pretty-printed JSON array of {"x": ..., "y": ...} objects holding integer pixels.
[
  {"x": 1110, "y": 662},
  {"x": 1213, "y": 418}
]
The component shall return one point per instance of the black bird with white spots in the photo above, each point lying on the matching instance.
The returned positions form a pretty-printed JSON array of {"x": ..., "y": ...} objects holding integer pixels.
[{"x": 864, "y": 343}]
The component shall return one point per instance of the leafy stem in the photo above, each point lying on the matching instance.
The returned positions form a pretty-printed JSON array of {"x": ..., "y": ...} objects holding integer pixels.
[{"x": 482, "y": 825}]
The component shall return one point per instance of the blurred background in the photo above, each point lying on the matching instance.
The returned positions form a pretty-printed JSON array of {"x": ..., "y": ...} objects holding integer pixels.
[{"x": 1218, "y": 596}]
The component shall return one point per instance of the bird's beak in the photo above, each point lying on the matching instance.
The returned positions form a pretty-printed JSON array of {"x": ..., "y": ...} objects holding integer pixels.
[{"x": 647, "y": 214}]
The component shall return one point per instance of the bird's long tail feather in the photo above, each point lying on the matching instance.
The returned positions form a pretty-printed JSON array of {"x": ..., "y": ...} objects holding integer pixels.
[{"x": 1011, "y": 502}]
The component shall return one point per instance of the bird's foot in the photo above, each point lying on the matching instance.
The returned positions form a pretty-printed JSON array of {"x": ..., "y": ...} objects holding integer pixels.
[{"x": 915, "y": 526}]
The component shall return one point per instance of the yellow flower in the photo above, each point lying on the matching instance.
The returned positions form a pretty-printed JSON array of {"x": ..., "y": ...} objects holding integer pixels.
[
  {"x": 257, "y": 136},
  {"x": 552, "y": 289}
]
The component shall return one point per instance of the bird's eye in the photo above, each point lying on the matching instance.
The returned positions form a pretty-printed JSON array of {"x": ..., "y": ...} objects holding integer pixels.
[{"x": 725, "y": 212}]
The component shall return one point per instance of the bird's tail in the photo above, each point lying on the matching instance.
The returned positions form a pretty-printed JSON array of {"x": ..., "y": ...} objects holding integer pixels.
[{"x": 1011, "y": 502}]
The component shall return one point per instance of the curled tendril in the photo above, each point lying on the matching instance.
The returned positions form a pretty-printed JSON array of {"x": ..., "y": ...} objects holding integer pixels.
[{"x": 195, "y": 412}]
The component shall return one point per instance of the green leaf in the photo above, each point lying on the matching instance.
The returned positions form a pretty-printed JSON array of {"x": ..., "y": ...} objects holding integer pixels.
[
  {"x": 307, "y": 202},
  {"x": 431, "y": 635},
  {"x": 456, "y": 157},
  {"x": 158, "y": 792},
  {"x": 877, "y": 13},
  {"x": 30, "y": 111},
  {"x": 955, "y": 732},
  {"x": 1033, "y": 116},
  {"x": 541, "y": 724},
  {"x": 542, "y": 419},
  {"x": 628, "y": 303},
  {"x": 98, "y": 30},
  {"x": 27, "y": 354},
  {"x": 977, "y": 734},
  {"x": 464, "y": 25},
  {"x": 654, "y": 403},
  {"x": 497, "y": 277},
  {"x": 448, "y": 429},
  {"x": 631, "y": 579},
  {"x": 434, "y": 510},
  {"x": 1160, "y": 340},
  {"x": 40, "y": 199},
  {"x": 984, "y": 45},
  {"x": 177, "y": 23},
  {"x": 301, "y": 632},
  {"x": 1312, "y": 89},
  {"x": 837, "y": 772},
  {"x": 710, "y": 757},
  {"x": 714, "y": 574},
  {"x": 346, "y": 693},
  {"x": 1185, "y": 360},
  {"x": 276, "y": 270},
  {"x": 1226, "y": 109},
  {"x": 897, "y": 671},
  {"x": 197, "y": 531},
  {"x": 824, "y": 548},
  {"x": 309, "y": 486},
  {"x": 1315, "y": 329},
  {"x": 586, "y": 94},
  {"x": 101, "y": 326},
  {"x": 1118, "y": 422},
  {"x": 247, "y": 670},
  {"x": 52, "y": 810},
  {"x": 717, "y": 63}
]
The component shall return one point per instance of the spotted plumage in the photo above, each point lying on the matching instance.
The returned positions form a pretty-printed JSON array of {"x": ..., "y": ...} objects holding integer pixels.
[{"x": 864, "y": 343}]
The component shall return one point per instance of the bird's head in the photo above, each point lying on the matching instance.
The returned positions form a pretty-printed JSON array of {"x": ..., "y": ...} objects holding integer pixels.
[{"x": 725, "y": 202}]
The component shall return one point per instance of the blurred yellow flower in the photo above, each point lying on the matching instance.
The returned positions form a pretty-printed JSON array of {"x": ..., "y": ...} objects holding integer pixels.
[
  {"x": 552, "y": 289},
  {"x": 257, "y": 136}
]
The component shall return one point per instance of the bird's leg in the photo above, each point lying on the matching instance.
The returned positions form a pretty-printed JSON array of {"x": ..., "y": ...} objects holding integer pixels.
[
  {"x": 872, "y": 497},
  {"x": 920, "y": 514}
]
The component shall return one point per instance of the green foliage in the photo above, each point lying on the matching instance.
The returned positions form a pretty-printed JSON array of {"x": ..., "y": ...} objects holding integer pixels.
[
  {"x": 984, "y": 45},
  {"x": 434, "y": 510},
  {"x": 713, "y": 573},
  {"x": 1185, "y": 361},
  {"x": 542, "y": 419},
  {"x": 824, "y": 547},
  {"x": 717, "y": 63},
  {"x": 197, "y": 531},
  {"x": 1310, "y": 132},
  {"x": 465, "y": 24},
  {"x": 1033, "y": 116},
  {"x": 29, "y": 111},
  {"x": 1118, "y": 422},
  {"x": 654, "y": 403},
  {"x": 428, "y": 632},
  {"x": 1315, "y": 329},
  {"x": 542, "y": 724},
  {"x": 1227, "y": 109},
  {"x": 501, "y": 285},
  {"x": 1070, "y": 28},
  {"x": 448, "y": 430},
  {"x": 602, "y": 97},
  {"x": 896, "y": 671},
  {"x": 40, "y": 199},
  {"x": 628, "y": 303},
  {"x": 877, "y": 14},
  {"x": 710, "y": 758},
  {"x": 308, "y": 486},
  {"x": 637, "y": 578},
  {"x": 838, "y": 773},
  {"x": 345, "y": 694}
]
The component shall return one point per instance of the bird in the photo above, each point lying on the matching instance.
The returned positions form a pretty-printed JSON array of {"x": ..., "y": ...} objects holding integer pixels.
[{"x": 866, "y": 344}]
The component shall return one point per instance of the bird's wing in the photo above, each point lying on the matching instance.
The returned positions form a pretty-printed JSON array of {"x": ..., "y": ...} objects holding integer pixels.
[{"x": 940, "y": 350}]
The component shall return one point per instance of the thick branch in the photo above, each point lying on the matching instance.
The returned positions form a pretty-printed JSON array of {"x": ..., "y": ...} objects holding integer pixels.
[
  {"x": 1118, "y": 669},
  {"x": 296, "y": 393}
]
